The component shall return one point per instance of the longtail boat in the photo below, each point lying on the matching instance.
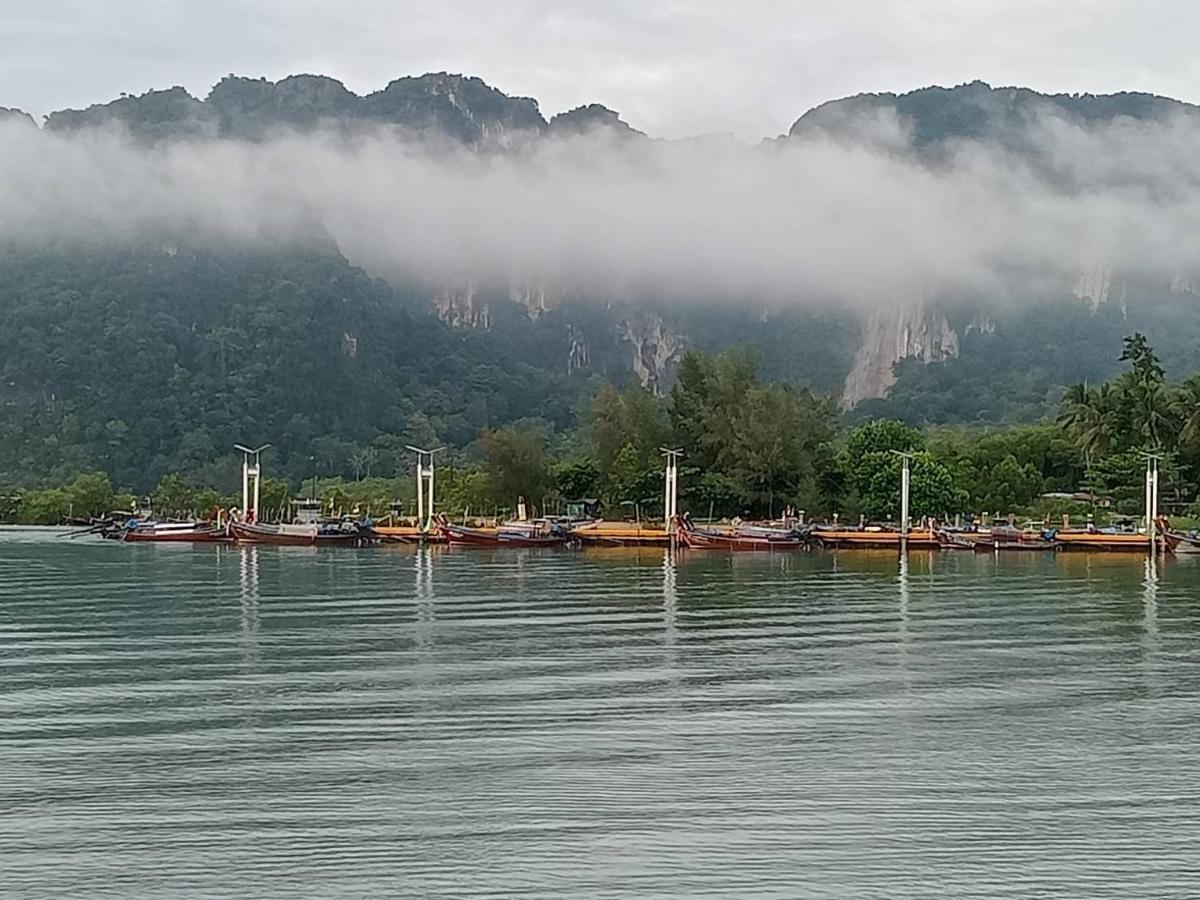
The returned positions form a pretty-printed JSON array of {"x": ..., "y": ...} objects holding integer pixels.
[
  {"x": 873, "y": 539},
  {"x": 1111, "y": 541},
  {"x": 1001, "y": 538},
  {"x": 619, "y": 534},
  {"x": 745, "y": 538},
  {"x": 407, "y": 534},
  {"x": 175, "y": 532},
  {"x": 1185, "y": 544},
  {"x": 537, "y": 533},
  {"x": 299, "y": 535}
]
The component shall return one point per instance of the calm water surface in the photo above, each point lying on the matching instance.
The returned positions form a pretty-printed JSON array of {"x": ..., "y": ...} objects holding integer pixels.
[{"x": 280, "y": 722}]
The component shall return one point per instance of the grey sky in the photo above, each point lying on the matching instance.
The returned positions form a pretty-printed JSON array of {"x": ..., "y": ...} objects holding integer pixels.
[{"x": 670, "y": 67}]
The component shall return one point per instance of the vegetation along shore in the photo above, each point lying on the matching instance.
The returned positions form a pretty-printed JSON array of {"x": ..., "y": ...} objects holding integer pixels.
[{"x": 753, "y": 448}]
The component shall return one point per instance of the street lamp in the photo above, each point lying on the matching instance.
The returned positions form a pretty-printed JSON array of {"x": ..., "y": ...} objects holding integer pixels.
[
  {"x": 671, "y": 485},
  {"x": 904, "y": 491},
  {"x": 424, "y": 485},
  {"x": 249, "y": 471}
]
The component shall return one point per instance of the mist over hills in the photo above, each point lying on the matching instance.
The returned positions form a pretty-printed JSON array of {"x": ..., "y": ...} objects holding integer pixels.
[{"x": 435, "y": 257}]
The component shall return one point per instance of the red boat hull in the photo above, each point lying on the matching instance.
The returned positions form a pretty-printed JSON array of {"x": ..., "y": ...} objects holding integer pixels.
[{"x": 200, "y": 536}]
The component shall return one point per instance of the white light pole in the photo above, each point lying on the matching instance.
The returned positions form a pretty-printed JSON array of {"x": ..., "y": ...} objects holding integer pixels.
[
  {"x": 671, "y": 486},
  {"x": 425, "y": 485},
  {"x": 251, "y": 471},
  {"x": 1152, "y": 500},
  {"x": 905, "y": 476}
]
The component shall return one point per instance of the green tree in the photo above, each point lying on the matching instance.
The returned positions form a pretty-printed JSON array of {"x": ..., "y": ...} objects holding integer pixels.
[
  {"x": 626, "y": 433},
  {"x": 774, "y": 455},
  {"x": 1186, "y": 409},
  {"x": 173, "y": 498},
  {"x": 932, "y": 491},
  {"x": 576, "y": 480},
  {"x": 90, "y": 494},
  {"x": 515, "y": 463},
  {"x": 872, "y": 470}
]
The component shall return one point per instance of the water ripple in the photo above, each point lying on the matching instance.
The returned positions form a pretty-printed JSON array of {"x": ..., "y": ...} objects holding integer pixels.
[{"x": 273, "y": 722}]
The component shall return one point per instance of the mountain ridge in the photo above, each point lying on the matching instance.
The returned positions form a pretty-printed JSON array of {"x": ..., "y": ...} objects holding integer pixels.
[{"x": 573, "y": 336}]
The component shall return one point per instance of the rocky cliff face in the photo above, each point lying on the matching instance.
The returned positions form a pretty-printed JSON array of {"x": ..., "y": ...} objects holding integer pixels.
[
  {"x": 657, "y": 350},
  {"x": 890, "y": 334},
  {"x": 1095, "y": 285},
  {"x": 462, "y": 307}
]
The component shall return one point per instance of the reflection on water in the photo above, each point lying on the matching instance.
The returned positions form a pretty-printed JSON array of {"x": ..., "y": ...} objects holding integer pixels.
[
  {"x": 281, "y": 722},
  {"x": 248, "y": 580}
]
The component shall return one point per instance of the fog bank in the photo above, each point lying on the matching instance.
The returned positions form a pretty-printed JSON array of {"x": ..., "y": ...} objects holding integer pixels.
[{"x": 806, "y": 221}]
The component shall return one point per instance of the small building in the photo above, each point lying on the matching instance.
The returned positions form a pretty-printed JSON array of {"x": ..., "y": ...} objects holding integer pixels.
[
  {"x": 588, "y": 508},
  {"x": 306, "y": 512}
]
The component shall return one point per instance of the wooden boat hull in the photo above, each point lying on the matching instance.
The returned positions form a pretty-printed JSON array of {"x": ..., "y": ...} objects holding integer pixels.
[
  {"x": 990, "y": 545},
  {"x": 875, "y": 540},
  {"x": 714, "y": 540},
  {"x": 1186, "y": 546},
  {"x": 618, "y": 535},
  {"x": 177, "y": 536},
  {"x": 488, "y": 537},
  {"x": 1099, "y": 542},
  {"x": 269, "y": 534},
  {"x": 407, "y": 534}
]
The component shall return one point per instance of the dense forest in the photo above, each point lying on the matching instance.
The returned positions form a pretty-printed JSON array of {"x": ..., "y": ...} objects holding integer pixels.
[
  {"x": 753, "y": 447},
  {"x": 140, "y": 363}
]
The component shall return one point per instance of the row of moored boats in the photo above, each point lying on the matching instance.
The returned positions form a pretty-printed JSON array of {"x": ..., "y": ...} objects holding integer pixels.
[{"x": 738, "y": 536}]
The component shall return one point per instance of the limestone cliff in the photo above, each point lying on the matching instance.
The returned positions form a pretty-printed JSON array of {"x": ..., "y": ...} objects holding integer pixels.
[
  {"x": 657, "y": 350},
  {"x": 1095, "y": 286},
  {"x": 462, "y": 307},
  {"x": 536, "y": 299},
  {"x": 890, "y": 334}
]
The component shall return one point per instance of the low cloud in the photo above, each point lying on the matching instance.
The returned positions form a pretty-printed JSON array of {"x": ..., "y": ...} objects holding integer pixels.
[{"x": 815, "y": 221}]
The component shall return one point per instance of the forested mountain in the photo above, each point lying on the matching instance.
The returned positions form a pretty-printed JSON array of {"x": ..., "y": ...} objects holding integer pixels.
[
  {"x": 979, "y": 112},
  {"x": 154, "y": 357},
  {"x": 439, "y": 104},
  {"x": 141, "y": 362}
]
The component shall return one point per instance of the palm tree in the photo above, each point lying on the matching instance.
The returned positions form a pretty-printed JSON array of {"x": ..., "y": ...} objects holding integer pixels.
[
  {"x": 1102, "y": 427},
  {"x": 1150, "y": 409},
  {"x": 1076, "y": 407},
  {"x": 1185, "y": 405},
  {"x": 1088, "y": 418}
]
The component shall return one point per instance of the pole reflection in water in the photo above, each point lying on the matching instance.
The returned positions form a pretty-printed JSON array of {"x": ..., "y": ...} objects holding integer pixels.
[
  {"x": 248, "y": 580},
  {"x": 423, "y": 592},
  {"x": 902, "y": 583},
  {"x": 1150, "y": 624},
  {"x": 670, "y": 612}
]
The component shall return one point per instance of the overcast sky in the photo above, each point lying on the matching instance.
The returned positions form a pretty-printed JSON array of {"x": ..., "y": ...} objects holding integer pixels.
[{"x": 671, "y": 67}]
